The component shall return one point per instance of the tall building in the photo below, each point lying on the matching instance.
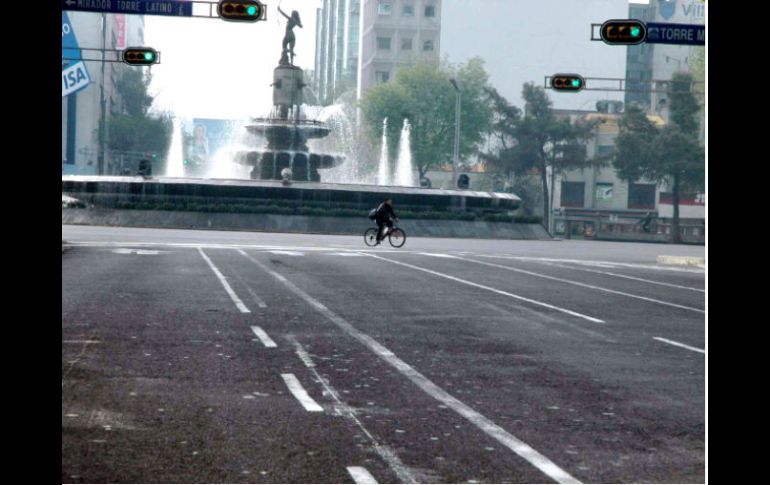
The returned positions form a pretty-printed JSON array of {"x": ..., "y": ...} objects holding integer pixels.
[
  {"x": 360, "y": 43},
  {"x": 396, "y": 33},
  {"x": 336, "y": 56},
  {"x": 659, "y": 62},
  {"x": 82, "y": 111}
]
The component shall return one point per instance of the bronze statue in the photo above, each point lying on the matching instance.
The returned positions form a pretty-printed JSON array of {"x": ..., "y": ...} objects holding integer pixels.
[{"x": 288, "y": 39}]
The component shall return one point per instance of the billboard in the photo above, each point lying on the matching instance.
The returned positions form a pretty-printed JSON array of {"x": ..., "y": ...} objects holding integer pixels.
[
  {"x": 74, "y": 74},
  {"x": 209, "y": 136}
]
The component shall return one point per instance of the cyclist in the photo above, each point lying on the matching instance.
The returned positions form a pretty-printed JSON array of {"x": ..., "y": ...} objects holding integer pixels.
[{"x": 384, "y": 217}]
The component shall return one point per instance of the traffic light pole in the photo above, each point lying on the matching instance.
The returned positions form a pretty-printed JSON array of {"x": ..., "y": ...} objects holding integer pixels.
[
  {"x": 621, "y": 86},
  {"x": 103, "y": 108}
]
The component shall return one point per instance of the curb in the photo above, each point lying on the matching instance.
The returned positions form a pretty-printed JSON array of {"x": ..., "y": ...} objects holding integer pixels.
[{"x": 682, "y": 260}]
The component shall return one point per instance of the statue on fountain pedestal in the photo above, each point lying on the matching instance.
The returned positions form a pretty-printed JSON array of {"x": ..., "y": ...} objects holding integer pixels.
[{"x": 287, "y": 55}]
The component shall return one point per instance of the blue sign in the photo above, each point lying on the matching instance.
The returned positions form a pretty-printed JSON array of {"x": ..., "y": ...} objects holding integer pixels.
[
  {"x": 681, "y": 34},
  {"x": 173, "y": 8},
  {"x": 74, "y": 74},
  {"x": 69, "y": 43}
]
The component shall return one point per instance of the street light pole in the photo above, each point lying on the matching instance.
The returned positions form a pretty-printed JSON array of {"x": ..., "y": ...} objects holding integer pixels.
[{"x": 456, "y": 159}]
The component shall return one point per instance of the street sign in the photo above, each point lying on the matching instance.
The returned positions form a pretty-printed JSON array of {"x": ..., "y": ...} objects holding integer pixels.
[
  {"x": 74, "y": 78},
  {"x": 172, "y": 8},
  {"x": 681, "y": 34}
]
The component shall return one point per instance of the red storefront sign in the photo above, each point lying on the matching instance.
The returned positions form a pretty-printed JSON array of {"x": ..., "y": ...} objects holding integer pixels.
[
  {"x": 120, "y": 20},
  {"x": 684, "y": 199}
]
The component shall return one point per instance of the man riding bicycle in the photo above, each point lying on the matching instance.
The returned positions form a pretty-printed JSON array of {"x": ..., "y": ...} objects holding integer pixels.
[{"x": 384, "y": 217}]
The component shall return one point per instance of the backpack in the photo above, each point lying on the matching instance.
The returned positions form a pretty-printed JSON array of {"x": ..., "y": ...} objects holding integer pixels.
[{"x": 373, "y": 214}]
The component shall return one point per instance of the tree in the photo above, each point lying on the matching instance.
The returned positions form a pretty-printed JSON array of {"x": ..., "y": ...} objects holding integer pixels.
[
  {"x": 135, "y": 129},
  {"x": 671, "y": 154},
  {"x": 536, "y": 140},
  {"x": 423, "y": 94}
]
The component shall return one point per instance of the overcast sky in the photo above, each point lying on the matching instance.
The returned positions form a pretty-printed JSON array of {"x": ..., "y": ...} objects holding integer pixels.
[{"x": 216, "y": 69}]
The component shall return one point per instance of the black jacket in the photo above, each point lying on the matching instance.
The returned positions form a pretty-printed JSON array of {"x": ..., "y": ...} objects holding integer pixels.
[{"x": 384, "y": 212}]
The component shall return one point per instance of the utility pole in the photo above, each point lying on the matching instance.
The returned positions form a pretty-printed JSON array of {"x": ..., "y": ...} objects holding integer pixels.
[
  {"x": 456, "y": 159},
  {"x": 102, "y": 107}
]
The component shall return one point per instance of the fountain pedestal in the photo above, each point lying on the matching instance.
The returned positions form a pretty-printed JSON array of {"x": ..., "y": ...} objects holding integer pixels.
[{"x": 287, "y": 134}]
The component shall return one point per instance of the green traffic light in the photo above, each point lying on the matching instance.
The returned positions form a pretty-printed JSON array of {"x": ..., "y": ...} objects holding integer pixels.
[
  {"x": 575, "y": 83},
  {"x": 148, "y": 56},
  {"x": 185, "y": 162},
  {"x": 635, "y": 31},
  {"x": 251, "y": 10}
]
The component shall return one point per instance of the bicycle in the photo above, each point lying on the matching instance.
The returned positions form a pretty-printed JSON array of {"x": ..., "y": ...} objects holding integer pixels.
[{"x": 396, "y": 236}]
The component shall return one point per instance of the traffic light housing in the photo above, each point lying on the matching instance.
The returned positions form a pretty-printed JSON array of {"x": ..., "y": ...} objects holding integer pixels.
[
  {"x": 241, "y": 10},
  {"x": 141, "y": 56},
  {"x": 567, "y": 82},
  {"x": 623, "y": 32}
]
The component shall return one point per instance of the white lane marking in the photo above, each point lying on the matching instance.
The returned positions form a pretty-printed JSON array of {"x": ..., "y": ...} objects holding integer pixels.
[
  {"x": 494, "y": 290},
  {"x": 361, "y": 475},
  {"x": 295, "y": 387},
  {"x": 344, "y": 254},
  {"x": 289, "y": 253},
  {"x": 623, "y": 276},
  {"x": 223, "y": 280},
  {"x": 437, "y": 255},
  {"x": 137, "y": 251},
  {"x": 80, "y": 341},
  {"x": 258, "y": 300},
  {"x": 263, "y": 336},
  {"x": 584, "y": 285},
  {"x": 477, "y": 419},
  {"x": 679, "y": 344},
  {"x": 601, "y": 264},
  {"x": 386, "y": 453}
]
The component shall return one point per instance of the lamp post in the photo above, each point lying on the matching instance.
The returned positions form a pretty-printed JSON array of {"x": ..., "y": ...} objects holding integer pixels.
[{"x": 456, "y": 159}]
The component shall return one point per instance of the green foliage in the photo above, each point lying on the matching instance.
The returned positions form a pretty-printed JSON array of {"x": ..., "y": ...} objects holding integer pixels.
[
  {"x": 136, "y": 129},
  {"x": 423, "y": 94},
  {"x": 671, "y": 154},
  {"x": 531, "y": 141}
]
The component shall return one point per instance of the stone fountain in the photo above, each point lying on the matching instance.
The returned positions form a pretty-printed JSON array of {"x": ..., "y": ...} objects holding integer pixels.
[{"x": 285, "y": 130}]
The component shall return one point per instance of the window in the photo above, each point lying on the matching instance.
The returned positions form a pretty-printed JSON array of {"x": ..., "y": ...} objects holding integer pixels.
[
  {"x": 406, "y": 44},
  {"x": 603, "y": 191},
  {"x": 383, "y": 43},
  {"x": 382, "y": 76},
  {"x": 384, "y": 8},
  {"x": 641, "y": 196},
  {"x": 604, "y": 149},
  {"x": 407, "y": 11},
  {"x": 572, "y": 194},
  {"x": 430, "y": 11},
  {"x": 427, "y": 45}
]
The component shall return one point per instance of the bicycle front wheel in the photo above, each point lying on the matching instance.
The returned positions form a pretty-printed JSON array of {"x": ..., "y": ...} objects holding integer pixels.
[
  {"x": 370, "y": 236},
  {"x": 397, "y": 237}
]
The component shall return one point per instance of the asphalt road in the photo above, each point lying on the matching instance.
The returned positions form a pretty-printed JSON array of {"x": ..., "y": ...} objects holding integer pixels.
[{"x": 210, "y": 357}]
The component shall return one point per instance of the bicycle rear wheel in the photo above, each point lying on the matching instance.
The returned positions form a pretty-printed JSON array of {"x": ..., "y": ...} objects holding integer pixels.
[
  {"x": 397, "y": 237},
  {"x": 370, "y": 236}
]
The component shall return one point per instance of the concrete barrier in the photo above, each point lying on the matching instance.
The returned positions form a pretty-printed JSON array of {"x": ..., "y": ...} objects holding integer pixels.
[
  {"x": 683, "y": 260},
  {"x": 297, "y": 224}
]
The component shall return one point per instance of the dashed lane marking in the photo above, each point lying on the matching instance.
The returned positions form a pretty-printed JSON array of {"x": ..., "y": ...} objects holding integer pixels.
[
  {"x": 361, "y": 475},
  {"x": 404, "y": 473},
  {"x": 223, "y": 280},
  {"x": 295, "y": 387},
  {"x": 514, "y": 444},
  {"x": 679, "y": 344},
  {"x": 263, "y": 336}
]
